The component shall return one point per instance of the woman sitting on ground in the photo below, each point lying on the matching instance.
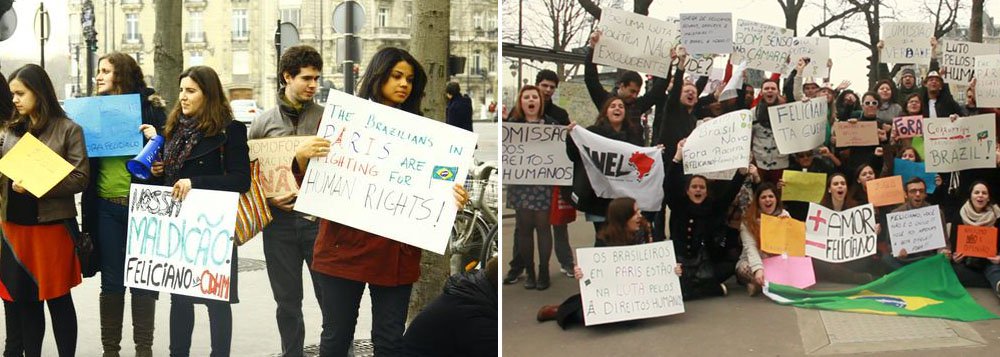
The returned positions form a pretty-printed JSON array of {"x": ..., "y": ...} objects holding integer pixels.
[{"x": 750, "y": 268}]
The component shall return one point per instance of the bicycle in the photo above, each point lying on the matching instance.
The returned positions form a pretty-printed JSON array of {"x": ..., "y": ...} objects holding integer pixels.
[{"x": 476, "y": 225}]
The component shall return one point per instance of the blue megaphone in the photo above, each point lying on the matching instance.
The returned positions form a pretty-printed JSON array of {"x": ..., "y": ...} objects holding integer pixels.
[{"x": 140, "y": 165}]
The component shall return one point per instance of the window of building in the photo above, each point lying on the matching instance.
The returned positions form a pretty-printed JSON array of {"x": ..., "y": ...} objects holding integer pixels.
[
  {"x": 383, "y": 16},
  {"x": 240, "y": 28},
  {"x": 196, "y": 28},
  {"x": 291, "y": 15},
  {"x": 476, "y": 58},
  {"x": 132, "y": 28},
  {"x": 491, "y": 23},
  {"x": 477, "y": 21},
  {"x": 196, "y": 59},
  {"x": 409, "y": 17}
]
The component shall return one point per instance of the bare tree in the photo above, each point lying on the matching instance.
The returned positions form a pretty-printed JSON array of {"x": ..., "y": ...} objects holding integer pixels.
[
  {"x": 168, "y": 59},
  {"x": 791, "y": 8},
  {"x": 594, "y": 8},
  {"x": 944, "y": 14},
  {"x": 565, "y": 23},
  {"x": 976, "y": 21}
]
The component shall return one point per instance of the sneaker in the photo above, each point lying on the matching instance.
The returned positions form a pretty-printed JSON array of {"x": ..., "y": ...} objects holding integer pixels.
[
  {"x": 511, "y": 278},
  {"x": 996, "y": 289},
  {"x": 567, "y": 272},
  {"x": 725, "y": 291}
]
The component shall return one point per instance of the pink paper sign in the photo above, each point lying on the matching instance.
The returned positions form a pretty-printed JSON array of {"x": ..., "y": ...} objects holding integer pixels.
[{"x": 791, "y": 271}]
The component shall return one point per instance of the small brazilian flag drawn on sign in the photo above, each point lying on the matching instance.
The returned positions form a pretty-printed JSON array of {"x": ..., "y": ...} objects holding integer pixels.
[{"x": 446, "y": 173}]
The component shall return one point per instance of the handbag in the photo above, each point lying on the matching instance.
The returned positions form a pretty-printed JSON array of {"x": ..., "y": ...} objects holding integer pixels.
[
  {"x": 253, "y": 213},
  {"x": 83, "y": 245},
  {"x": 560, "y": 212}
]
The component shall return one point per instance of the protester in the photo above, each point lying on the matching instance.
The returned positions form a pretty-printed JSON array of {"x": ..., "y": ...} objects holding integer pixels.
[
  {"x": 916, "y": 197},
  {"x": 907, "y": 86},
  {"x": 459, "y": 110},
  {"x": 38, "y": 264},
  {"x": 858, "y": 190},
  {"x": 853, "y": 272},
  {"x": 938, "y": 102},
  {"x": 346, "y": 259},
  {"x": 815, "y": 161},
  {"x": 750, "y": 267},
  {"x": 547, "y": 82},
  {"x": 289, "y": 239},
  {"x": 855, "y": 156},
  {"x": 979, "y": 210},
  {"x": 204, "y": 149},
  {"x": 887, "y": 106},
  {"x": 847, "y": 104},
  {"x": 13, "y": 339},
  {"x": 764, "y": 148}
]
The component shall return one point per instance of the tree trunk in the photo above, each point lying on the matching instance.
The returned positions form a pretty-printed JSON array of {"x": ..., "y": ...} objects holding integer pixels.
[
  {"x": 429, "y": 45},
  {"x": 976, "y": 22},
  {"x": 168, "y": 59},
  {"x": 792, "y": 20}
]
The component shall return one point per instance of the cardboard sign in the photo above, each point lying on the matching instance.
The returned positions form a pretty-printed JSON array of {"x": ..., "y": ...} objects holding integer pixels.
[
  {"x": 838, "y": 237},
  {"x": 720, "y": 175},
  {"x": 908, "y": 169},
  {"x": 635, "y": 42},
  {"x": 988, "y": 81},
  {"x": 719, "y": 144},
  {"x": 763, "y": 46},
  {"x": 535, "y": 154},
  {"x": 701, "y": 65},
  {"x": 707, "y": 33},
  {"x": 803, "y": 186},
  {"x": 885, "y": 191},
  {"x": 862, "y": 133},
  {"x": 33, "y": 165},
  {"x": 782, "y": 235},
  {"x": 908, "y": 126},
  {"x": 110, "y": 123},
  {"x": 791, "y": 271},
  {"x": 619, "y": 169},
  {"x": 275, "y": 156},
  {"x": 629, "y": 283},
  {"x": 967, "y": 143},
  {"x": 799, "y": 126},
  {"x": 916, "y": 230},
  {"x": 817, "y": 49},
  {"x": 974, "y": 241},
  {"x": 958, "y": 59},
  {"x": 906, "y": 42},
  {"x": 389, "y": 172},
  {"x": 180, "y": 247}
]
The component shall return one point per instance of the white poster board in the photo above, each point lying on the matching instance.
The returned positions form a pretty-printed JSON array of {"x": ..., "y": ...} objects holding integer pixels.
[
  {"x": 958, "y": 59},
  {"x": 180, "y": 247},
  {"x": 389, "y": 172},
  {"x": 967, "y": 143},
  {"x": 707, "y": 33},
  {"x": 619, "y": 169},
  {"x": 763, "y": 46},
  {"x": 719, "y": 144},
  {"x": 701, "y": 65},
  {"x": 838, "y": 237},
  {"x": 906, "y": 42},
  {"x": 916, "y": 230},
  {"x": 635, "y": 42},
  {"x": 535, "y": 154},
  {"x": 799, "y": 126},
  {"x": 817, "y": 49},
  {"x": 988, "y": 81},
  {"x": 275, "y": 156},
  {"x": 629, "y": 283}
]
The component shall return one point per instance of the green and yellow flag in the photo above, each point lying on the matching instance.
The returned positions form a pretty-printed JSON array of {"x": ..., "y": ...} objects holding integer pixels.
[{"x": 926, "y": 288}]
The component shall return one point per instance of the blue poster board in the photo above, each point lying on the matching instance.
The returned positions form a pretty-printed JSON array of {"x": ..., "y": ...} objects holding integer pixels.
[
  {"x": 909, "y": 169},
  {"x": 110, "y": 123}
]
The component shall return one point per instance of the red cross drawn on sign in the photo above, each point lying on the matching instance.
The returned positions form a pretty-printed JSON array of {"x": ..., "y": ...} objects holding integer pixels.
[{"x": 818, "y": 218}]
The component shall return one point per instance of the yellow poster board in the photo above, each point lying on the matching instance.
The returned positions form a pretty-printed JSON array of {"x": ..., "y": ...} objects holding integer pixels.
[
  {"x": 782, "y": 235},
  {"x": 803, "y": 186},
  {"x": 34, "y": 166}
]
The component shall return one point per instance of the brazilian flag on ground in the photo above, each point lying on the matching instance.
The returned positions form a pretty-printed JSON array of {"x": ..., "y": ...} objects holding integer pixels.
[{"x": 926, "y": 288}]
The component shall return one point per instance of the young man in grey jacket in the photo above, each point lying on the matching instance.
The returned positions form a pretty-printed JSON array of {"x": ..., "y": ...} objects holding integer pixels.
[{"x": 288, "y": 240}]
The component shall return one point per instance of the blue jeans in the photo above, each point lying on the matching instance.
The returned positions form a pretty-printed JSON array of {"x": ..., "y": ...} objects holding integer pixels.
[
  {"x": 220, "y": 320},
  {"x": 112, "y": 221},
  {"x": 992, "y": 273},
  {"x": 341, "y": 300},
  {"x": 288, "y": 243}
]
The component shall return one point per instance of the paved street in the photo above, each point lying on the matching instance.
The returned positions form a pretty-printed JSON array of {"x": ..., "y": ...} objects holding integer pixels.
[{"x": 731, "y": 326}]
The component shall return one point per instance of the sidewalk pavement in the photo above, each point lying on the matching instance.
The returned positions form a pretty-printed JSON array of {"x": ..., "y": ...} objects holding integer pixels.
[{"x": 732, "y": 325}]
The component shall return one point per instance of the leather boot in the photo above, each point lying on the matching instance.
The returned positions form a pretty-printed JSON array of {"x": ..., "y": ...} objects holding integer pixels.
[
  {"x": 112, "y": 309},
  {"x": 543, "y": 277},
  {"x": 529, "y": 283},
  {"x": 547, "y": 313},
  {"x": 143, "y": 322}
]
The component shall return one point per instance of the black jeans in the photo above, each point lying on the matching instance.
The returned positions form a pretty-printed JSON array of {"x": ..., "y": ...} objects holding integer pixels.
[
  {"x": 341, "y": 300},
  {"x": 29, "y": 319},
  {"x": 220, "y": 318},
  {"x": 288, "y": 243}
]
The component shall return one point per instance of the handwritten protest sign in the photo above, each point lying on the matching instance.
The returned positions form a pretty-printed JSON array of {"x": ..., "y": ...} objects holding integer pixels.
[
  {"x": 629, "y": 283},
  {"x": 763, "y": 46},
  {"x": 782, "y": 235},
  {"x": 916, "y": 230},
  {"x": 34, "y": 166},
  {"x": 862, "y": 133},
  {"x": 967, "y": 143},
  {"x": 958, "y": 59},
  {"x": 909, "y": 169},
  {"x": 110, "y": 123},
  {"x": 791, "y": 271},
  {"x": 975, "y": 241},
  {"x": 721, "y": 175},
  {"x": 707, "y": 33},
  {"x": 908, "y": 126},
  {"x": 180, "y": 247},
  {"x": 817, "y": 49},
  {"x": 988, "y": 81},
  {"x": 535, "y": 155},
  {"x": 838, "y": 237},
  {"x": 275, "y": 157},
  {"x": 701, "y": 65},
  {"x": 885, "y": 191},
  {"x": 619, "y": 169},
  {"x": 906, "y": 42},
  {"x": 719, "y": 144},
  {"x": 389, "y": 172},
  {"x": 803, "y": 186},
  {"x": 799, "y": 126},
  {"x": 635, "y": 42}
]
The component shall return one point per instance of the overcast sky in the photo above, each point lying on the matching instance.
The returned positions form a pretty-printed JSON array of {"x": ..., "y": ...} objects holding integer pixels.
[{"x": 24, "y": 45}]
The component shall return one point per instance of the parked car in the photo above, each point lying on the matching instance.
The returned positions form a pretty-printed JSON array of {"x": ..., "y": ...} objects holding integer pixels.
[{"x": 245, "y": 110}]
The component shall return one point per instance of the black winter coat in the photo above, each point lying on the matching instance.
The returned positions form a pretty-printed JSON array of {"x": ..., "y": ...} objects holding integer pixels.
[{"x": 460, "y": 322}]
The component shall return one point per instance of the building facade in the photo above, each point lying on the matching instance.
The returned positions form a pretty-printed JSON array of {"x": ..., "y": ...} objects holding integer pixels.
[{"x": 237, "y": 39}]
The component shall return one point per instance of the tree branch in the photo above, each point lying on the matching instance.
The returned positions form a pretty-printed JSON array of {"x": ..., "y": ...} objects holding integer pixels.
[
  {"x": 843, "y": 15},
  {"x": 851, "y": 39},
  {"x": 591, "y": 8}
]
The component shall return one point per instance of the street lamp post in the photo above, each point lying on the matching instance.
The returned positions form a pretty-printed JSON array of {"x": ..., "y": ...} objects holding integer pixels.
[{"x": 90, "y": 36}]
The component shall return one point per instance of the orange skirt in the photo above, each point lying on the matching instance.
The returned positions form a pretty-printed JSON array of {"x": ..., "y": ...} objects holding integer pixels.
[{"x": 37, "y": 263}]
